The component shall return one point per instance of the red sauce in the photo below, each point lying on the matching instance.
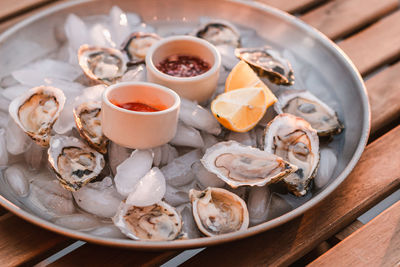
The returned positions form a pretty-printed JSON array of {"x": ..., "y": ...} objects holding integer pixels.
[
  {"x": 137, "y": 106},
  {"x": 183, "y": 66}
]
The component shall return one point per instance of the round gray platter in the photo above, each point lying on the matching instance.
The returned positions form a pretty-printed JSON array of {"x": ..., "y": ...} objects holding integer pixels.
[{"x": 329, "y": 74}]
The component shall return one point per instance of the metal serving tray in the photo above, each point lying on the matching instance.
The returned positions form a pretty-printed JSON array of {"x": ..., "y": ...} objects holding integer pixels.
[{"x": 332, "y": 75}]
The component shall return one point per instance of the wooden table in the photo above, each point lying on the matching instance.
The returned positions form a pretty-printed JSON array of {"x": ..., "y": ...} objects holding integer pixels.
[{"x": 369, "y": 32}]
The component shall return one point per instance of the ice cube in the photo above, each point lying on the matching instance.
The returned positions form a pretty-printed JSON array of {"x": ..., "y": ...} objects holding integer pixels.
[
  {"x": 327, "y": 165},
  {"x": 99, "y": 198},
  {"x": 3, "y": 148},
  {"x": 187, "y": 136},
  {"x": 179, "y": 171},
  {"x": 257, "y": 204},
  {"x": 119, "y": 25},
  {"x": 17, "y": 181},
  {"x": 205, "y": 177},
  {"x": 135, "y": 74},
  {"x": 198, "y": 117},
  {"x": 116, "y": 155},
  {"x": 17, "y": 140},
  {"x": 132, "y": 170},
  {"x": 189, "y": 225},
  {"x": 14, "y": 91},
  {"x": 100, "y": 35},
  {"x": 149, "y": 190},
  {"x": 78, "y": 221},
  {"x": 34, "y": 156}
]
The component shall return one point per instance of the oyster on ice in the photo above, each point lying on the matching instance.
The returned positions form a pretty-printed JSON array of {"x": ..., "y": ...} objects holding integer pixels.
[
  {"x": 217, "y": 211},
  {"x": 304, "y": 104},
  {"x": 293, "y": 139},
  {"x": 88, "y": 121},
  {"x": 137, "y": 44},
  {"x": 74, "y": 162},
  {"x": 267, "y": 62},
  {"x": 156, "y": 222},
  {"x": 219, "y": 32},
  {"x": 102, "y": 64},
  {"x": 36, "y": 111},
  {"x": 239, "y": 165}
]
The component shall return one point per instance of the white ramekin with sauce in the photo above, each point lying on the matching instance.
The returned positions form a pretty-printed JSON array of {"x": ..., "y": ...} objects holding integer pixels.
[
  {"x": 198, "y": 87},
  {"x": 139, "y": 115}
]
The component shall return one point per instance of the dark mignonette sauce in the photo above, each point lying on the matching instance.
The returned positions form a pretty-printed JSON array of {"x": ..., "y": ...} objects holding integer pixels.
[{"x": 183, "y": 66}]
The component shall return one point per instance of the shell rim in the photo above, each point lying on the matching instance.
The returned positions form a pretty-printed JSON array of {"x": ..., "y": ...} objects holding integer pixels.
[{"x": 201, "y": 242}]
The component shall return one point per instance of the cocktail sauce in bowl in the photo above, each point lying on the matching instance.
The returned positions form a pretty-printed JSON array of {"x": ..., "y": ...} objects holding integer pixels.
[{"x": 139, "y": 114}]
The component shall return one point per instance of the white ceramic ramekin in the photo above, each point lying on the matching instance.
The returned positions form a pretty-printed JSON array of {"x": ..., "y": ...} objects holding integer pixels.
[
  {"x": 135, "y": 129},
  {"x": 199, "y": 88}
]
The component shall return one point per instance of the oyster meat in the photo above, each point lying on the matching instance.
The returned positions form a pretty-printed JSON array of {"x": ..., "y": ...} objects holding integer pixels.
[
  {"x": 102, "y": 64},
  {"x": 74, "y": 162},
  {"x": 267, "y": 62},
  {"x": 217, "y": 211},
  {"x": 219, "y": 32},
  {"x": 36, "y": 111},
  {"x": 293, "y": 139},
  {"x": 239, "y": 165},
  {"x": 88, "y": 121},
  {"x": 137, "y": 44},
  {"x": 304, "y": 104},
  {"x": 156, "y": 222}
]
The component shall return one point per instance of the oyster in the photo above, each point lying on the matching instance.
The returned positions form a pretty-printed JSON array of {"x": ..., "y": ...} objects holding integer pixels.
[
  {"x": 36, "y": 111},
  {"x": 102, "y": 64},
  {"x": 88, "y": 121},
  {"x": 269, "y": 63},
  {"x": 217, "y": 211},
  {"x": 156, "y": 222},
  {"x": 74, "y": 162},
  {"x": 303, "y": 104},
  {"x": 137, "y": 44},
  {"x": 219, "y": 32},
  {"x": 239, "y": 165},
  {"x": 293, "y": 139}
]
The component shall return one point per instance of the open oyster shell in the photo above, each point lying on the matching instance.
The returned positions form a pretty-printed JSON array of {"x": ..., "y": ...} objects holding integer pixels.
[
  {"x": 102, "y": 64},
  {"x": 74, "y": 162},
  {"x": 304, "y": 104},
  {"x": 267, "y": 62},
  {"x": 156, "y": 222},
  {"x": 217, "y": 211},
  {"x": 137, "y": 44},
  {"x": 219, "y": 32},
  {"x": 293, "y": 139},
  {"x": 240, "y": 165},
  {"x": 36, "y": 111},
  {"x": 88, "y": 121}
]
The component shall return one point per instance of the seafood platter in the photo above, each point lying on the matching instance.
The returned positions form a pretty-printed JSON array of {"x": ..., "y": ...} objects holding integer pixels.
[{"x": 133, "y": 128}]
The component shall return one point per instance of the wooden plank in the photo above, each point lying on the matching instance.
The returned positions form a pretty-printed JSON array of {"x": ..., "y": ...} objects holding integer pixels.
[
  {"x": 375, "y": 244},
  {"x": 384, "y": 96},
  {"x": 373, "y": 178},
  {"x": 290, "y": 5},
  {"x": 95, "y": 255},
  {"x": 376, "y": 45},
  {"x": 354, "y": 226},
  {"x": 24, "y": 243},
  {"x": 342, "y": 17},
  {"x": 12, "y": 7}
]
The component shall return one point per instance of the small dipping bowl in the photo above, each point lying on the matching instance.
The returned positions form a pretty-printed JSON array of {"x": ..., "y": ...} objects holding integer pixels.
[
  {"x": 137, "y": 129},
  {"x": 198, "y": 88}
]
